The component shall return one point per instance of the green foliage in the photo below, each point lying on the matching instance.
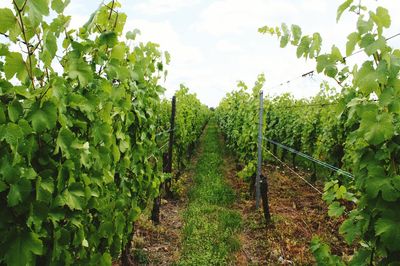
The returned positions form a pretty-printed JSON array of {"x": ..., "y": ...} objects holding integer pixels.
[
  {"x": 23, "y": 249},
  {"x": 210, "y": 231},
  {"x": 371, "y": 126},
  {"x": 78, "y": 153},
  {"x": 322, "y": 253},
  {"x": 191, "y": 117},
  {"x": 309, "y": 125},
  {"x": 238, "y": 115},
  {"x": 7, "y": 20},
  {"x": 313, "y": 129}
]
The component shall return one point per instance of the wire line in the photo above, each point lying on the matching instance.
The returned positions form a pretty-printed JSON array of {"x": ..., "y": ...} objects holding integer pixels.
[
  {"x": 312, "y": 72},
  {"x": 294, "y": 172},
  {"x": 308, "y": 157},
  {"x": 160, "y": 149},
  {"x": 165, "y": 132},
  {"x": 163, "y": 146}
]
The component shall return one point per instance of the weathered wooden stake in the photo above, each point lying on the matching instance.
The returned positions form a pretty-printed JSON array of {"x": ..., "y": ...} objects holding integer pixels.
[
  {"x": 170, "y": 148},
  {"x": 167, "y": 168},
  {"x": 264, "y": 196}
]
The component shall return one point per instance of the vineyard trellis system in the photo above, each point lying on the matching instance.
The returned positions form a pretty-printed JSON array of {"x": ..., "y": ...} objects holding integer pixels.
[
  {"x": 81, "y": 127},
  {"x": 357, "y": 131}
]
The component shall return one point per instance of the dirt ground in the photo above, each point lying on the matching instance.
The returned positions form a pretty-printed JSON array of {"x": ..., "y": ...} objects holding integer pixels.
[
  {"x": 298, "y": 213},
  {"x": 159, "y": 244}
]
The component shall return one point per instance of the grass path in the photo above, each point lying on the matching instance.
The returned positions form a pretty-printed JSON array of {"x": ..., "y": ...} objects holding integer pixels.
[{"x": 210, "y": 225}]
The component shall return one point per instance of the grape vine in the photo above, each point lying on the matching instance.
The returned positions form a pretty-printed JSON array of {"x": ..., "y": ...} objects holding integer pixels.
[
  {"x": 373, "y": 134},
  {"x": 79, "y": 114}
]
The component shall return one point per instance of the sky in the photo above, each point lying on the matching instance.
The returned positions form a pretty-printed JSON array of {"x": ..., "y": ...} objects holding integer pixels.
[{"x": 215, "y": 43}]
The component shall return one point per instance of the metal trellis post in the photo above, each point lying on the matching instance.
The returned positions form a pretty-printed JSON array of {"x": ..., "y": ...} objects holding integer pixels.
[
  {"x": 259, "y": 148},
  {"x": 261, "y": 181}
]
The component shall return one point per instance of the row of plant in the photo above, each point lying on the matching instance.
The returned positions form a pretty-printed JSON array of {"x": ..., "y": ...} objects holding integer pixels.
[
  {"x": 316, "y": 126},
  {"x": 371, "y": 94},
  {"x": 237, "y": 116},
  {"x": 313, "y": 126},
  {"x": 191, "y": 116},
  {"x": 356, "y": 129},
  {"x": 80, "y": 113}
]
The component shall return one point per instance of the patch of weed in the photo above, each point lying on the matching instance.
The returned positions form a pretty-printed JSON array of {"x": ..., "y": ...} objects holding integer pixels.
[{"x": 211, "y": 227}]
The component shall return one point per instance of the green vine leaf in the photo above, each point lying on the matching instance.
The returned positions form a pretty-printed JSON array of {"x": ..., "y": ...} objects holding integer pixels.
[
  {"x": 22, "y": 249},
  {"x": 381, "y": 19},
  {"x": 18, "y": 192},
  {"x": 364, "y": 26},
  {"x": 342, "y": 8},
  {"x": 64, "y": 141},
  {"x": 15, "y": 65},
  {"x": 49, "y": 48},
  {"x": 3, "y": 118},
  {"x": 44, "y": 117},
  {"x": 37, "y": 9},
  {"x": 108, "y": 38},
  {"x": 352, "y": 40},
  {"x": 78, "y": 69},
  {"x": 376, "y": 128},
  {"x": 347, "y": 230},
  {"x": 59, "y": 5},
  {"x": 73, "y": 197},
  {"x": 296, "y": 32},
  {"x": 7, "y": 20},
  {"x": 368, "y": 78},
  {"x": 15, "y": 111},
  {"x": 389, "y": 231},
  {"x": 13, "y": 134},
  {"x": 335, "y": 209}
]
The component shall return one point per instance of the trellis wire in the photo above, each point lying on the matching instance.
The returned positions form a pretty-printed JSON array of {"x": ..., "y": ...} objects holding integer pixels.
[
  {"x": 308, "y": 157},
  {"x": 294, "y": 172}
]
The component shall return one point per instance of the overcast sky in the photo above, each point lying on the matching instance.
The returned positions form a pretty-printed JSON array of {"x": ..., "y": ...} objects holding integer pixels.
[{"x": 215, "y": 43}]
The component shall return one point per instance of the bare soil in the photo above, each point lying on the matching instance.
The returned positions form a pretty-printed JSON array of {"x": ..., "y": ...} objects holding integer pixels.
[
  {"x": 298, "y": 213},
  {"x": 159, "y": 244}
]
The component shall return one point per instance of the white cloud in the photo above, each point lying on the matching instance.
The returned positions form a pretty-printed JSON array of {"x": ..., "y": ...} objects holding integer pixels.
[
  {"x": 164, "y": 34},
  {"x": 77, "y": 21},
  {"x": 227, "y": 46},
  {"x": 157, "y": 7},
  {"x": 184, "y": 57},
  {"x": 235, "y": 16},
  {"x": 215, "y": 43}
]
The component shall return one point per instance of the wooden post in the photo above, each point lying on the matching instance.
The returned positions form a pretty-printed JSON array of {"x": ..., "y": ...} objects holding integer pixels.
[
  {"x": 155, "y": 212},
  {"x": 167, "y": 168},
  {"x": 264, "y": 196},
  {"x": 294, "y": 160},
  {"x": 170, "y": 148},
  {"x": 314, "y": 174}
]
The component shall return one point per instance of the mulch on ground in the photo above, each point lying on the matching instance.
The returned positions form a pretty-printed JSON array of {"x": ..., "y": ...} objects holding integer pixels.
[
  {"x": 159, "y": 244},
  {"x": 298, "y": 213}
]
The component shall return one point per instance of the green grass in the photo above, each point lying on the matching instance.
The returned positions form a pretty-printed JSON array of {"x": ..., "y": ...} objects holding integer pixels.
[{"x": 211, "y": 226}]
